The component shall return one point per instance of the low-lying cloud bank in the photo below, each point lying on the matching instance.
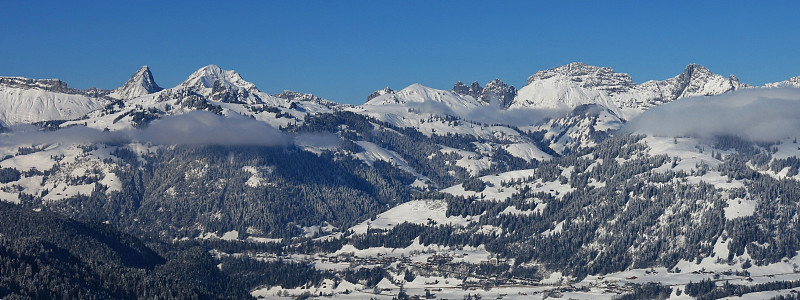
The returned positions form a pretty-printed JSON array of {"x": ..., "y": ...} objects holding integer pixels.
[
  {"x": 490, "y": 114},
  {"x": 193, "y": 128},
  {"x": 514, "y": 117},
  {"x": 205, "y": 128},
  {"x": 759, "y": 115}
]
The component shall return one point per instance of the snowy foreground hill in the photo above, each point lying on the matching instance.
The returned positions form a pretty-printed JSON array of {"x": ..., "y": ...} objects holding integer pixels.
[{"x": 581, "y": 184}]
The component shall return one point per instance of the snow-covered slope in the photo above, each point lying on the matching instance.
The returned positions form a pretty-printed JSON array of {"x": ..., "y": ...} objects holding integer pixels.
[
  {"x": 417, "y": 96},
  {"x": 25, "y": 100},
  {"x": 575, "y": 84},
  {"x": 561, "y": 91},
  {"x": 221, "y": 85},
  {"x": 141, "y": 83},
  {"x": 791, "y": 82}
]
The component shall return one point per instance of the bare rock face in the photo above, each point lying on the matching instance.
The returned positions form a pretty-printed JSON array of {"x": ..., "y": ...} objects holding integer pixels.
[
  {"x": 377, "y": 93},
  {"x": 498, "y": 93},
  {"x": 473, "y": 89},
  {"x": 495, "y": 92},
  {"x": 50, "y": 85}
]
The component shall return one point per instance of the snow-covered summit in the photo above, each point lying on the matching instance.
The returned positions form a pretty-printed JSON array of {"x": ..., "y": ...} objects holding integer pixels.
[
  {"x": 426, "y": 98},
  {"x": 141, "y": 83},
  {"x": 576, "y": 84},
  {"x": 206, "y": 77},
  {"x": 221, "y": 85},
  {"x": 697, "y": 80},
  {"x": 377, "y": 93},
  {"x": 570, "y": 86},
  {"x": 293, "y": 97},
  {"x": 24, "y": 100},
  {"x": 587, "y": 76},
  {"x": 791, "y": 82}
]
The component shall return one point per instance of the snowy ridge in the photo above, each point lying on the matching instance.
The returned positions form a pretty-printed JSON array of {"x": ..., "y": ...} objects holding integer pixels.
[
  {"x": 575, "y": 84},
  {"x": 791, "y": 82},
  {"x": 206, "y": 77},
  {"x": 25, "y": 105},
  {"x": 222, "y": 85},
  {"x": 428, "y": 99}
]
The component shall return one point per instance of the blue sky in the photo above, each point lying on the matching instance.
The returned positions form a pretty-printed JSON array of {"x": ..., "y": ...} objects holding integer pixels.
[{"x": 344, "y": 50}]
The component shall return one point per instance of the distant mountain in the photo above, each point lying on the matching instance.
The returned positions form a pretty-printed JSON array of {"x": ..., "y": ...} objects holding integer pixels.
[
  {"x": 575, "y": 84},
  {"x": 421, "y": 97},
  {"x": 495, "y": 92},
  {"x": 24, "y": 100},
  {"x": 480, "y": 186},
  {"x": 377, "y": 93},
  {"x": 294, "y": 97},
  {"x": 140, "y": 84},
  {"x": 791, "y": 82},
  {"x": 220, "y": 85}
]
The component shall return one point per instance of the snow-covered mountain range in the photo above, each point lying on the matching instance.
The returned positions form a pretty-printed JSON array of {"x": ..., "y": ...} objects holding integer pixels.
[
  {"x": 568, "y": 86},
  {"x": 495, "y": 110},
  {"x": 530, "y": 190},
  {"x": 561, "y": 88}
]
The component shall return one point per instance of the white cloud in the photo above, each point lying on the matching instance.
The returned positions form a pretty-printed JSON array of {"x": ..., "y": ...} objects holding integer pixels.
[{"x": 753, "y": 114}]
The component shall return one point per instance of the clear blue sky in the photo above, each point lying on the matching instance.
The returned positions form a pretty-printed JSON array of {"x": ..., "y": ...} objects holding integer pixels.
[{"x": 344, "y": 50}]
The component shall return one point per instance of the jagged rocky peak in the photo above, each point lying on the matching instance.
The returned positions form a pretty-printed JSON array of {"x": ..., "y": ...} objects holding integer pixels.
[
  {"x": 473, "y": 89},
  {"x": 141, "y": 83},
  {"x": 460, "y": 88},
  {"x": 587, "y": 76},
  {"x": 208, "y": 76},
  {"x": 496, "y": 91},
  {"x": 221, "y": 85},
  {"x": 694, "y": 72},
  {"x": 52, "y": 85},
  {"x": 296, "y": 96},
  {"x": 377, "y": 93},
  {"x": 697, "y": 80}
]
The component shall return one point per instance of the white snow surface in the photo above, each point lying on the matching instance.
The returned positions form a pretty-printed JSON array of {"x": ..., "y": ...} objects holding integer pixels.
[
  {"x": 739, "y": 208},
  {"x": 416, "y": 212},
  {"x": 18, "y": 105},
  {"x": 140, "y": 84},
  {"x": 568, "y": 86},
  {"x": 422, "y": 98},
  {"x": 373, "y": 153}
]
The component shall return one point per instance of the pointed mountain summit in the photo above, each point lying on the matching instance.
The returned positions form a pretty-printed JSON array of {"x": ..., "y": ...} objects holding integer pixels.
[
  {"x": 140, "y": 84},
  {"x": 473, "y": 89},
  {"x": 498, "y": 93},
  {"x": 221, "y": 85},
  {"x": 206, "y": 77},
  {"x": 377, "y": 93},
  {"x": 697, "y": 80}
]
